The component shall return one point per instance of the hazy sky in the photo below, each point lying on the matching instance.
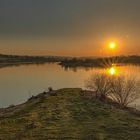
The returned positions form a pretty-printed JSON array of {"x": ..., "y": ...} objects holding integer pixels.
[{"x": 69, "y": 27}]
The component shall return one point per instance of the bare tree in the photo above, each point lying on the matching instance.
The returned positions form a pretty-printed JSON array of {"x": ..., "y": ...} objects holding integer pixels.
[
  {"x": 124, "y": 90},
  {"x": 121, "y": 89},
  {"x": 100, "y": 84}
]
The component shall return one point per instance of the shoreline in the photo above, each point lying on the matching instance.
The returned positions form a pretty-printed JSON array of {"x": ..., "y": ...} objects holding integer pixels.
[
  {"x": 86, "y": 93},
  {"x": 68, "y": 113}
]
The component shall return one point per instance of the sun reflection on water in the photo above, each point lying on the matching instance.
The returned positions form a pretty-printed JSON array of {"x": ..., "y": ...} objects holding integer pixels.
[{"x": 112, "y": 71}]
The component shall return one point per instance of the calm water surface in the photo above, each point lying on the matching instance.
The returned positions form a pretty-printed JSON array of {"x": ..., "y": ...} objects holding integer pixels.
[{"x": 18, "y": 83}]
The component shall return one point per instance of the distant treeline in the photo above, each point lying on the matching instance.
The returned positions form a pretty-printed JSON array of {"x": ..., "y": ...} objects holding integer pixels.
[
  {"x": 69, "y": 61},
  {"x": 100, "y": 62},
  {"x": 29, "y": 59}
]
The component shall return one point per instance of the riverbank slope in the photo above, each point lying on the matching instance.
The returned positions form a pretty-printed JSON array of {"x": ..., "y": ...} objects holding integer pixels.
[{"x": 67, "y": 114}]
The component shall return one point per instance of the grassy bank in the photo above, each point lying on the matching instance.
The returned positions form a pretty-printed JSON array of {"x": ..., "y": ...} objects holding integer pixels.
[{"x": 67, "y": 115}]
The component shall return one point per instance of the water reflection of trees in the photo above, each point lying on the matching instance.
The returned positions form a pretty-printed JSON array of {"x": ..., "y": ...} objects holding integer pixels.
[
  {"x": 100, "y": 62},
  {"x": 75, "y": 69}
]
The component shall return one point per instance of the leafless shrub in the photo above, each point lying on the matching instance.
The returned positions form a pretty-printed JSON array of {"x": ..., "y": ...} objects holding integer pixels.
[
  {"x": 100, "y": 84},
  {"x": 121, "y": 89},
  {"x": 124, "y": 90}
]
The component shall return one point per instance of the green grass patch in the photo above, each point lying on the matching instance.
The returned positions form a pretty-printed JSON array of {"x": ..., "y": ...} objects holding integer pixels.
[{"x": 68, "y": 115}]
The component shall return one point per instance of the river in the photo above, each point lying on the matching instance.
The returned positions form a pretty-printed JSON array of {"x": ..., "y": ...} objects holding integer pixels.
[{"x": 18, "y": 83}]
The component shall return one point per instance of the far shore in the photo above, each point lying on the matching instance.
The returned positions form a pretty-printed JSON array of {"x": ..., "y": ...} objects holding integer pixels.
[{"x": 9, "y": 60}]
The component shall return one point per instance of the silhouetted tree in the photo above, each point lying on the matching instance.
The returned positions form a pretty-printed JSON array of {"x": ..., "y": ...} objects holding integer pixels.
[
  {"x": 100, "y": 84},
  {"x": 124, "y": 90},
  {"x": 121, "y": 89}
]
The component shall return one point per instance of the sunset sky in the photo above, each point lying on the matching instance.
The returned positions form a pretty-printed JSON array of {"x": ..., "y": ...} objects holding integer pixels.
[{"x": 69, "y": 27}]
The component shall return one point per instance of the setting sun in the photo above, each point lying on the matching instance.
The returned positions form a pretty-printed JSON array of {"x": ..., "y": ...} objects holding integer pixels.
[{"x": 112, "y": 45}]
